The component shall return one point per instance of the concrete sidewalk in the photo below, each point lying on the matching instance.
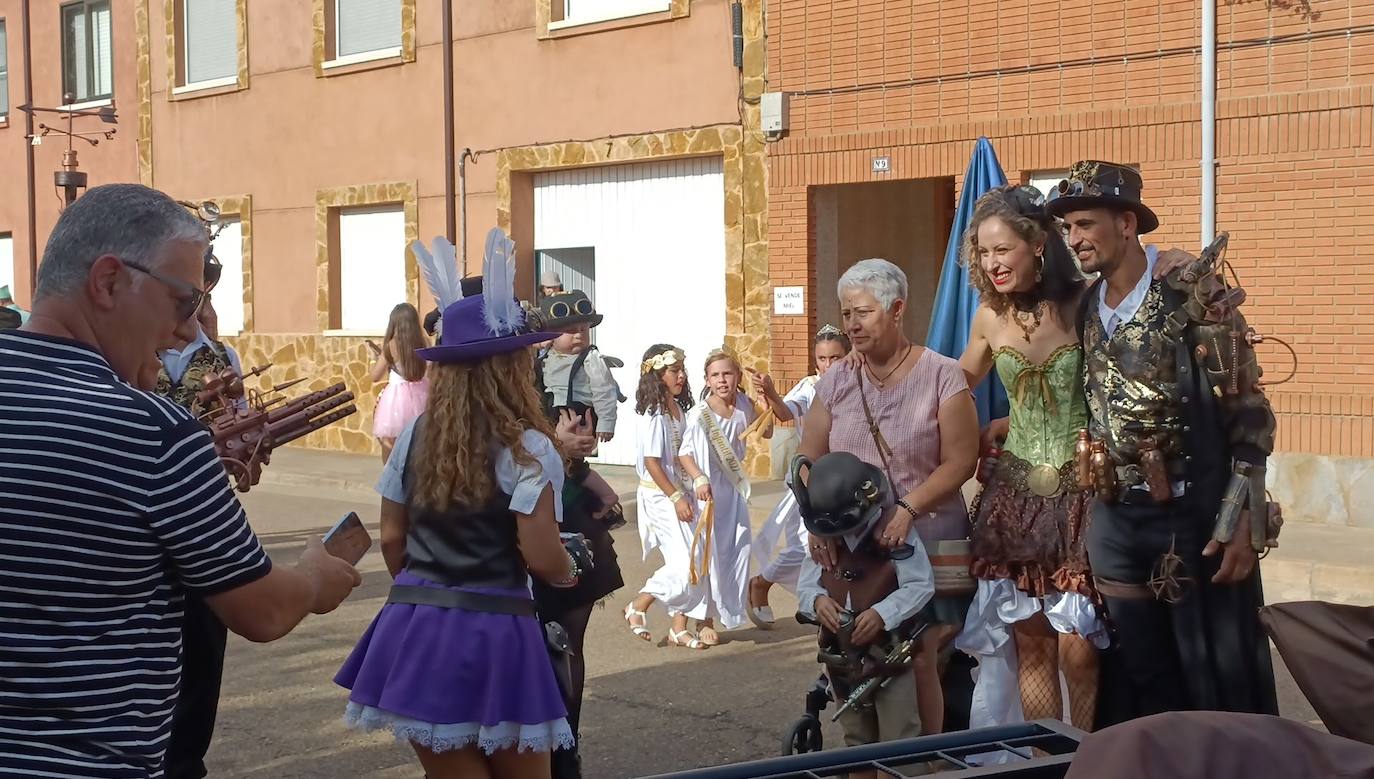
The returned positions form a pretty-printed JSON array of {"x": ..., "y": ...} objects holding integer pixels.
[{"x": 1313, "y": 562}]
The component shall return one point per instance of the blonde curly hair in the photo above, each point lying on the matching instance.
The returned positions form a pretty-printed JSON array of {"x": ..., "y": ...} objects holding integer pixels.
[{"x": 471, "y": 407}]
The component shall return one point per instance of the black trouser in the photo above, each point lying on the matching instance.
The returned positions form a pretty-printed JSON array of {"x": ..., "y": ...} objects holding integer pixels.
[
  {"x": 1125, "y": 543},
  {"x": 203, "y": 639}
]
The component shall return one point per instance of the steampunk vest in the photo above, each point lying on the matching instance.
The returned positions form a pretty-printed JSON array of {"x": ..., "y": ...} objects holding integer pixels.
[
  {"x": 863, "y": 576},
  {"x": 1131, "y": 379},
  {"x": 210, "y": 360}
]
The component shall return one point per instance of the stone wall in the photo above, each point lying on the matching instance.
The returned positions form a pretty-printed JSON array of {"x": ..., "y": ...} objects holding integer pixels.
[
  {"x": 322, "y": 361},
  {"x": 1321, "y": 489}
]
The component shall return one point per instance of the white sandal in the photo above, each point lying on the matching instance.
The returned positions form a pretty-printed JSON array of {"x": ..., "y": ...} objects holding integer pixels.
[
  {"x": 641, "y": 630},
  {"x": 761, "y": 616},
  {"x": 692, "y": 642}
]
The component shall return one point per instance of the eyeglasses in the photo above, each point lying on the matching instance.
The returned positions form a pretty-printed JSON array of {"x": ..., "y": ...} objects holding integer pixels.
[
  {"x": 213, "y": 270},
  {"x": 186, "y": 307}
]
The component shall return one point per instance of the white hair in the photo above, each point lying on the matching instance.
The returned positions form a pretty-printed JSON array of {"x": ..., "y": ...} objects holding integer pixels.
[{"x": 879, "y": 278}]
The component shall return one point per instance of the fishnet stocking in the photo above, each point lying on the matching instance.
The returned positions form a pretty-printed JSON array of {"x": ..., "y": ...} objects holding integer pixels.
[
  {"x": 1078, "y": 661},
  {"x": 1041, "y": 654},
  {"x": 1037, "y": 658}
]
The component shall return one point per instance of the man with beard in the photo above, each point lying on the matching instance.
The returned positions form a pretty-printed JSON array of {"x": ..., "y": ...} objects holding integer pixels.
[{"x": 1180, "y": 432}]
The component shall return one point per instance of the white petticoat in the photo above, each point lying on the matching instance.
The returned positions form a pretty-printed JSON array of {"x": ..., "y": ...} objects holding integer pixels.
[
  {"x": 541, "y": 737},
  {"x": 987, "y": 636}
]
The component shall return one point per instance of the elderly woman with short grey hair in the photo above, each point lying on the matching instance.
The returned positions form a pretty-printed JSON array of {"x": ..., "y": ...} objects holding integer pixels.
[{"x": 908, "y": 410}]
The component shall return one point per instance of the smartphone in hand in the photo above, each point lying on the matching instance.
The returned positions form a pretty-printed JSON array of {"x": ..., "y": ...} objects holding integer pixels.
[{"x": 348, "y": 540}]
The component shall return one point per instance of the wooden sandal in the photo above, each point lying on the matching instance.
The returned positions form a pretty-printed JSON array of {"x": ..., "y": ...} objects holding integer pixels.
[
  {"x": 692, "y": 642},
  {"x": 641, "y": 630}
]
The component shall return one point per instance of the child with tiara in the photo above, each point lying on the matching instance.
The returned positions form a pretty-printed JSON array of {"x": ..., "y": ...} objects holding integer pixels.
[
  {"x": 455, "y": 663},
  {"x": 666, "y": 504},
  {"x": 829, "y": 347}
]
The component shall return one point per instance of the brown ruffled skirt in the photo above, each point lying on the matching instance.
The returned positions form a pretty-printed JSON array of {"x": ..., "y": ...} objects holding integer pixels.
[{"x": 1039, "y": 543}]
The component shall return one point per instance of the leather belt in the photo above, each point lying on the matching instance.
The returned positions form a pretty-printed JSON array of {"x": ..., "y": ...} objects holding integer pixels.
[{"x": 415, "y": 595}]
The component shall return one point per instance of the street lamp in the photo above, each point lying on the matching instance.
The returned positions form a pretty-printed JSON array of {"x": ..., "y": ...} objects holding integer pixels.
[{"x": 69, "y": 180}]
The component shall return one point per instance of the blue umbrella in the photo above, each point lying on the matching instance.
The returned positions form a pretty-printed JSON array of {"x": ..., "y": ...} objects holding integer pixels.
[{"x": 956, "y": 300}]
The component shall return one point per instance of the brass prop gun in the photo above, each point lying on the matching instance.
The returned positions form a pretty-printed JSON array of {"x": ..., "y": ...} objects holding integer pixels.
[
  {"x": 247, "y": 424},
  {"x": 899, "y": 657}
]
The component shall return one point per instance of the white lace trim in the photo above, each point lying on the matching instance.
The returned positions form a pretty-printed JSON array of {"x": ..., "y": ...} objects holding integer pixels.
[{"x": 542, "y": 737}]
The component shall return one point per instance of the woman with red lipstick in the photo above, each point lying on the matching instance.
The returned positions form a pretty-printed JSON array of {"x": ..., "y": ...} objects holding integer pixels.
[{"x": 1034, "y": 615}]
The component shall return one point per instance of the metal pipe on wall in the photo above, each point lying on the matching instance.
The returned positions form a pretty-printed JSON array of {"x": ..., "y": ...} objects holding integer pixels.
[
  {"x": 463, "y": 210},
  {"x": 28, "y": 150},
  {"x": 1209, "y": 121},
  {"x": 450, "y": 223}
]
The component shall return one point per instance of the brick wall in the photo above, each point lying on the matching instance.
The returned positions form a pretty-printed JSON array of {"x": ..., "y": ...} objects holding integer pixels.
[{"x": 1049, "y": 84}]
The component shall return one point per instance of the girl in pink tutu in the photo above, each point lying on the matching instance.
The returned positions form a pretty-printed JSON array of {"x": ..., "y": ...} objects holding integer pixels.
[{"x": 407, "y": 390}]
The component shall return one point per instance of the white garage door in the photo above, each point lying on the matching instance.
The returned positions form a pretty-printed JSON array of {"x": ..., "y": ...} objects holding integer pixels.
[{"x": 650, "y": 239}]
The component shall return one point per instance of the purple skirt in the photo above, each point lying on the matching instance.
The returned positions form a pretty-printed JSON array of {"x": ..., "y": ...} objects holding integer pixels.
[{"x": 449, "y": 678}]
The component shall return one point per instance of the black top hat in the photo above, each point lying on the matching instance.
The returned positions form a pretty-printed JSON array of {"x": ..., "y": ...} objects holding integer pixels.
[
  {"x": 566, "y": 309},
  {"x": 1093, "y": 184},
  {"x": 9, "y": 319},
  {"x": 843, "y": 493}
]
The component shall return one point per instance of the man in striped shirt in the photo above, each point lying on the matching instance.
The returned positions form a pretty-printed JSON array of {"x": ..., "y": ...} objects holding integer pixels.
[{"x": 113, "y": 504}]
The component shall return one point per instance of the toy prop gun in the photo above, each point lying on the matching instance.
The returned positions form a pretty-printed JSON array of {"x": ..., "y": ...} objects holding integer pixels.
[
  {"x": 898, "y": 658},
  {"x": 247, "y": 426}
]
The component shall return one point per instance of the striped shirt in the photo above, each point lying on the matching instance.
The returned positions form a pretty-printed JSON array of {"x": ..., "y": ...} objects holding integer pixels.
[{"x": 113, "y": 504}]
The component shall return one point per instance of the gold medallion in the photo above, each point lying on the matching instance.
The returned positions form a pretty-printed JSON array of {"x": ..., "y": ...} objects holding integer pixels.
[{"x": 1043, "y": 480}]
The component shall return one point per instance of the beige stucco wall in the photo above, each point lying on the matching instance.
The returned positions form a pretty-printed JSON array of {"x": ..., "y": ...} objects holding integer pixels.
[
  {"x": 110, "y": 161},
  {"x": 294, "y": 134}
]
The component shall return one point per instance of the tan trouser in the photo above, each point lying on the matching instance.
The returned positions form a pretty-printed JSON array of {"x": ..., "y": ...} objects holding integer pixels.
[{"x": 892, "y": 716}]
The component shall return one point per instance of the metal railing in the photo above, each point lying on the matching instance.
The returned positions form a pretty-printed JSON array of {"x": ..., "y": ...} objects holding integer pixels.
[{"x": 1031, "y": 750}]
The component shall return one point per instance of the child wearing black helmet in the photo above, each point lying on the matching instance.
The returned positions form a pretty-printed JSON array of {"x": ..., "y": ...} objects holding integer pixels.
[{"x": 867, "y": 603}]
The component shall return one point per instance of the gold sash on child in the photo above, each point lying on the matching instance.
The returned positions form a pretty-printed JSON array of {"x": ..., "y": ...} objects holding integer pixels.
[{"x": 725, "y": 455}]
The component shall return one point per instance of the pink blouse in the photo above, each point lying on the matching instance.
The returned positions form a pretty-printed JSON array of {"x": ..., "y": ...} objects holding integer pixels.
[{"x": 907, "y": 413}]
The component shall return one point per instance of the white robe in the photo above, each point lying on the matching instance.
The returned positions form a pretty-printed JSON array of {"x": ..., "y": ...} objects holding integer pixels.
[
  {"x": 659, "y": 527},
  {"x": 785, "y": 524},
  {"x": 723, "y": 592}
]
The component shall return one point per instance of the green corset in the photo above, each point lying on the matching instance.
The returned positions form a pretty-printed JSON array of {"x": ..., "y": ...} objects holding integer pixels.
[{"x": 1047, "y": 408}]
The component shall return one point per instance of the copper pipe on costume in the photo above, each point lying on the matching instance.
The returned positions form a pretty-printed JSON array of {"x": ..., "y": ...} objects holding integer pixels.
[{"x": 316, "y": 424}]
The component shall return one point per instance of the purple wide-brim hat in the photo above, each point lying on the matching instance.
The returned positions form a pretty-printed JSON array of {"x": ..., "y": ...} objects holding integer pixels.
[{"x": 465, "y": 337}]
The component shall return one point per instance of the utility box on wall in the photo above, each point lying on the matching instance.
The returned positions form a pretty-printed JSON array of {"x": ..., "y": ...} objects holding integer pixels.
[{"x": 773, "y": 107}]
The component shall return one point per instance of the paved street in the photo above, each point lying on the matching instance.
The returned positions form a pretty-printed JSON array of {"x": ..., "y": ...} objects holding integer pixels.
[{"x": 650, "y": 708}]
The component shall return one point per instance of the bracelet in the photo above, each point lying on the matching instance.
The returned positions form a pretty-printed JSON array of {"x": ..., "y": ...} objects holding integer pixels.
[
  {"x": 676, "y": 496},
  {"x": 701, "y": 481},
  {"x": 907, "y": 506},
  {"x": 574, "y": 572}
]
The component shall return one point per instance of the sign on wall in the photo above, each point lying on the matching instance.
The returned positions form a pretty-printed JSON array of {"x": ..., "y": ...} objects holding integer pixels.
[{"x": 789, "y": 301}]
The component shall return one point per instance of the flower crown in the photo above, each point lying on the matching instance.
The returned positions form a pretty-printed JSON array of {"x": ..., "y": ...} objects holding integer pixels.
[{"x": 660, "y": 361}]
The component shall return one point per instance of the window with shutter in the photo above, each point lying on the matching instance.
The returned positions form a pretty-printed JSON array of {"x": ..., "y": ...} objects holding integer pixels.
[
  {"x": 228, "y": 293},
  {"x": 365, "y": 26},
  {"x": 7, "y": 260},
  {"x": 87, "y": 60},
  {"x": 372, "y": 266},
  {"x": 575, "y": 12},
  {"x": 210, "y": 40},
  {"x": 4, "y": 74}
]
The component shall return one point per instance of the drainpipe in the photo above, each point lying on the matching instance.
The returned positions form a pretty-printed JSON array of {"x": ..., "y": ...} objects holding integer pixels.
[
  {"x": 463, "y": 210},
  {"x": 1209, "y": 121},
  {"x": 28, "y": 151},
  {"x": 450, "y": 227}
]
